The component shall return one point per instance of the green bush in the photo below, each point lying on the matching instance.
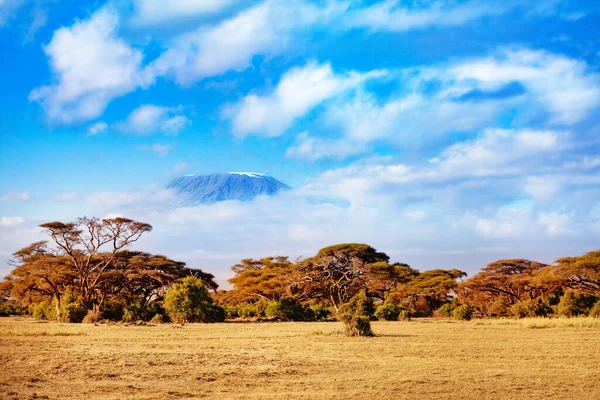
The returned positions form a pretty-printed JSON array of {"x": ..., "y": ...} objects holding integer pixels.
[
  {"x": 214, "y": 313},
  {"x": 320, "y": 312},
  {"x": 188, "y": 301},
  {"x": 573, "y": 304},
  {"x": 531, "y": 308},
  {"x": 42, "y": 311},
  {"x": 71, "y": 309},
  {"x": 404, "y": 314},
  {"x": 356, "y": 315},
  {"x": 463, "y": 313},
  {"x": 131, "y": 313},
  {"x": 288, "y": 309},
  {"x": 595, "y": 311},
  {"x": 445, "y": 310},
  {"x": 7, "y": 310},
  {"x": 387, "y": 311}
]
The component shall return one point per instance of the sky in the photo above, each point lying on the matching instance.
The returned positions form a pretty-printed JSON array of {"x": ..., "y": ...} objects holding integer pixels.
[{"x": 447, "y": 134}]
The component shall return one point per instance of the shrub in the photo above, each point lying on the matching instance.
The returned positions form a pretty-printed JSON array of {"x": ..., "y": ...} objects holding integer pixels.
[
  {"x": 595, "y": 311},
  {"x": 571, "y": 304},
  {"x": 288, "y": 309},
  {"x": 463, "y": 313},
  {"x": 320, "y": 312},
  {"x": 404, "y": 314},
  {"x": 445, "y": 310},
  {"x": 157, "y": 319},
  {"x": 499, "y": 308},
  {"x": 7, "y": 310},
  {"x": 92, "y": 317},
  {"x": 356, "y": 315},
  {"x": 387, "y": 311},
  {"x": 531, "y": 308},
  {"x": 71, "y": 309},
  {"x": 214, "y": 313},
  {"x": 131, "y": 313},
  {"x": 43, "y": 311},
  {"x": 188, "y": 301}
]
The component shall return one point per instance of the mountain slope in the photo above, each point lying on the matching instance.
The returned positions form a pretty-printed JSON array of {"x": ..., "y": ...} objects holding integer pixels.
[{"x": 211, "y": 188}]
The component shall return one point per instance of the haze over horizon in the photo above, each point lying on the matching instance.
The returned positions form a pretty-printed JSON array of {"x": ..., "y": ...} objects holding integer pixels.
[{"x": 447, "y": 134}]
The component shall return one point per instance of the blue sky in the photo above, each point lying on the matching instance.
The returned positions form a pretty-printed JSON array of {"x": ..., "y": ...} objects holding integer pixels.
[{"x": 446, "y": 133}]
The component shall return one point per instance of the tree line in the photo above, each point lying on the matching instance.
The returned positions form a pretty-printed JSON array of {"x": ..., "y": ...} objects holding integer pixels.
[{"x": 86, "y": 270}]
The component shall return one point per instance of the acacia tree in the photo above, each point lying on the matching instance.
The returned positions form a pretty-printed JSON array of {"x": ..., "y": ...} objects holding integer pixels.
[
  {"x": 37, "y": 271},
  {"x": 337, "y": 273},
  {"x": 82, "y": 242},
  {"x": 581, "y": 272},
  {"x": 269, "y": 278}
]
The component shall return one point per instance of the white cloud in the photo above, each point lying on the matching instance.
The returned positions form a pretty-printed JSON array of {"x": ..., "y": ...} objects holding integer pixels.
[
  {"x": 97, "y": 128},
  {"x": 92, "y": 66},
  {"x": 310, "y": 148},
  {"x": 148, "y": 119},
  {"x": 23, "y": 196},
  {"x": 542, "y": 189},
  {"x": 266, "y": 29},
  {"x": 299, "y": 91},
  {"x": 152, "y": 12},
  {"x": 392, "y": 15},
  {"x": 566, "y": 87},
  {"x": 159, "y": 149},
  {"x": 9, "y": 222},
  {"x": 555, "y": 223}
]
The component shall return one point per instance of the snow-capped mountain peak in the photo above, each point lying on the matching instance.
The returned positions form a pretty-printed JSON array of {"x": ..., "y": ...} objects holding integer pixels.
[{"x": 211, "y": 188}]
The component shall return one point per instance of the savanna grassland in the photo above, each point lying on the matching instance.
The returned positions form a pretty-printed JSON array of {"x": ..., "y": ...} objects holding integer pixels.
[{"x": 424, "y": 358}]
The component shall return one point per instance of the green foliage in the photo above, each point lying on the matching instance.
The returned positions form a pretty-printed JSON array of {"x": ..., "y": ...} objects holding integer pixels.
[
  {"x": 71, "y": 309},
  {"x": 7, "y": 310},
  {"x": 446, "y": 310},
  {"x": 404, "y": 314},
  {"x": 288, "y": 309},
  {"x": 320, "y": 312},
  {"x": 531, "y": 308},
  {"x": 43, "y": 311},
  {"x": 188, "y": 301},
  {"x": 356, "y": 315},
  {"x": 131, "y": 313},
  {"x": 214, "y": 313},
  {"x": 463, "y": 313},
  {"x": 388, "y": 311},
  {"x": 573, "y": 304}
]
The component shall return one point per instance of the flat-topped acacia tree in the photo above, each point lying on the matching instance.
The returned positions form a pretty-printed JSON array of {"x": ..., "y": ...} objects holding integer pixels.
[{"x": 83, "y": 241}]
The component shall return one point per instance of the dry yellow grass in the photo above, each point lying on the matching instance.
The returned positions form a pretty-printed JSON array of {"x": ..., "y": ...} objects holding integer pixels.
[{"x": 423, "y": 359}]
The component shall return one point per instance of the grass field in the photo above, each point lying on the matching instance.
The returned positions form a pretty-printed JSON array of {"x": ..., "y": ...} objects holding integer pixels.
[{"x": 422, "y": 359}]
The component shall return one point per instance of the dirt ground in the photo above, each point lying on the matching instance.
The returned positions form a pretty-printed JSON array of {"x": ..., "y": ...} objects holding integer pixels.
[{"x": 424, "y": 359}]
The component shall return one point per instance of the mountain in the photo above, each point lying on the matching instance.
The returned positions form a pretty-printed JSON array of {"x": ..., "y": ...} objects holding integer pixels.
[{"x": 207, "y": 189}]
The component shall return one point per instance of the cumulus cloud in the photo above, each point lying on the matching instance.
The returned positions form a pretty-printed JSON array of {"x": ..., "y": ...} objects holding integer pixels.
[
  {"x": 299, "y": 91},
  {"x": 8, "y": 222},
  {"x": 148, "y": 119},
  {"x": 470, "y": 95},
  {"x": 91, "y": 66},
  {"x": 556, "y": 223},
  {"x": 565, "y": 86},
  {"x": 266, "y": 29}
]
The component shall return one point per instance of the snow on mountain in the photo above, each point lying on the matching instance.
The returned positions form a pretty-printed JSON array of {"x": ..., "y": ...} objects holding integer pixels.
[{"x": 211, "y": 188}]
